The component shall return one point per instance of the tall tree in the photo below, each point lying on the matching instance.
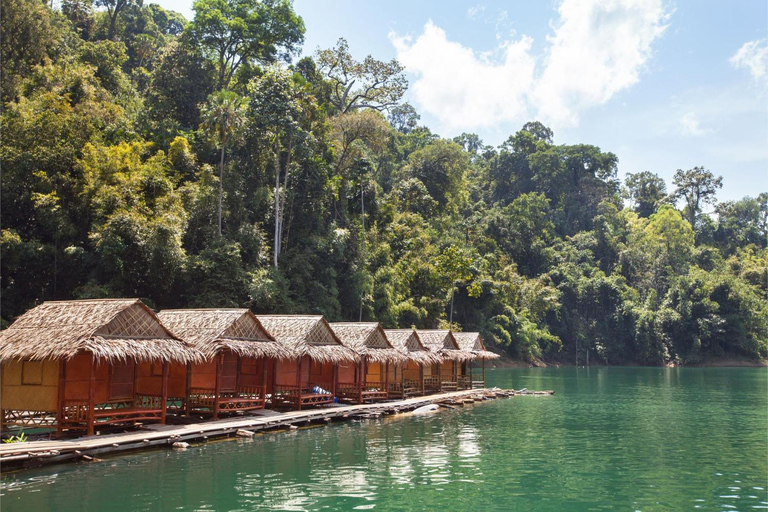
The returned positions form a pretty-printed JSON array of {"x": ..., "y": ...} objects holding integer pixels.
[
  {"x": 646, "y": 191},
  {"x": 223, "y": 118},
  {"x": 114, "y": 8},
  {"x": 355, "y": 85},
  {"x": 697, "y": 187},
  {"x": 233, "y": 32}
]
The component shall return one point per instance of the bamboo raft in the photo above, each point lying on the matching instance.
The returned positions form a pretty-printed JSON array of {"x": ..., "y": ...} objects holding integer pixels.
[{"x": 37, "y": 453}]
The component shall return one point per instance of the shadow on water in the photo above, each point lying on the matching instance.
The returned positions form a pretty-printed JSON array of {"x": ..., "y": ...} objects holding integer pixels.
[{"x": 610, "y": 438}]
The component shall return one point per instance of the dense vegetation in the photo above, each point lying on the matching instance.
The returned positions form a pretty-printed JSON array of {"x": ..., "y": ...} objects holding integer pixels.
[{"x": 190, "y": 164}]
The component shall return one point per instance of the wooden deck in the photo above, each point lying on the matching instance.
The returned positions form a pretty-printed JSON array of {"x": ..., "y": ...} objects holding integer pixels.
[{"x": 36, "y": 453}]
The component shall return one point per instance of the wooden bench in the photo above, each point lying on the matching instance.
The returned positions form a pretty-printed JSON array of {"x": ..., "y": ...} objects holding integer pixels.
[
  {"x": 77, "y": 414},
  {"x": 368, "y": 392},
  {"x": 245, "y": 398},
  {"x": 292, "y": 396}
]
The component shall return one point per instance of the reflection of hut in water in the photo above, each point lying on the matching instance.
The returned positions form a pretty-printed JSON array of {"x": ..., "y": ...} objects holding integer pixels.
[
  {"x": 472, "y": 343},
  {"x": 407, "y": 379},
  {"x": 442, "y": 376},
  {"x": 368, "y": 379},
  {"x": 239, "y": 358},
  {"x": 309, "y": 378},
  {"x": 88, "y": 363}
]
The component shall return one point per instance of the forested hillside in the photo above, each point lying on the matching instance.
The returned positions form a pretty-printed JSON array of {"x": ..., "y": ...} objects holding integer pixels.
[{"x": 189, "y": 163}]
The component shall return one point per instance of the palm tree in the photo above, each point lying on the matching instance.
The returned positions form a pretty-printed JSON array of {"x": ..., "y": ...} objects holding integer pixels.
[{"x": 223, "y": 119}]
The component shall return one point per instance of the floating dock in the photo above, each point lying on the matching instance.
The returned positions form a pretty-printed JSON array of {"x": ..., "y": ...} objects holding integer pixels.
[{"x": 37, "y": 453}]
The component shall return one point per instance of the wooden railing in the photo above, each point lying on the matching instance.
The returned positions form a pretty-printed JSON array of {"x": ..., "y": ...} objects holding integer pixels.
[
  {"x": 432, "y": 383},
  {"x": 411, "y": 387},
  {"x": 478, "y": 384},
  {"x": 464, "y": 382}
]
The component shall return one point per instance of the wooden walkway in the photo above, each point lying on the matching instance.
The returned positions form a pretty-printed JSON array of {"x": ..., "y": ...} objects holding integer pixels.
[{"x": 36, "y": 453}]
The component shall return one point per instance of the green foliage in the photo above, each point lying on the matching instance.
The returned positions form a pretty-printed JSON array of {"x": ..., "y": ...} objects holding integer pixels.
[{"x": 128, "y": 134}]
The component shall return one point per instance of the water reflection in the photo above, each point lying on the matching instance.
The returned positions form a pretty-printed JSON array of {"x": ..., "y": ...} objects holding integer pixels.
[{"x": 640, "y": 439}]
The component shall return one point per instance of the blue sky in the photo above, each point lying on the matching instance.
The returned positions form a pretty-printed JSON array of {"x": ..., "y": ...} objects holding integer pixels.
[{"x": 664, "y": 85}]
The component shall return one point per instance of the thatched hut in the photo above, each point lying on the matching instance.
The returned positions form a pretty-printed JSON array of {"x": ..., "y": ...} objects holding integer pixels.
[
  {"x": 239, "y": 359},
  {"x": 367, "y": 380},
  {"x": 472, "y": 343},
  {"x": 442, "y": 376},
  {"x": 88, "y": 363},
  {"x": 309, "y": 378},
  {"x": 407, "y": 379}
]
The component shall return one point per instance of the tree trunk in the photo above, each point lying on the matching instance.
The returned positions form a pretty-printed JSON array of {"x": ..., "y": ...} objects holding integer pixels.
[
  {"x": 277, "y": 201},
  {"x": 284, "y": 196},
  {"x": 221, "y": 182}
]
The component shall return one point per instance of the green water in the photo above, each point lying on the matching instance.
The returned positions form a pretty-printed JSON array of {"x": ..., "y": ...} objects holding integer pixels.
[{"x": 610, "y": 439}]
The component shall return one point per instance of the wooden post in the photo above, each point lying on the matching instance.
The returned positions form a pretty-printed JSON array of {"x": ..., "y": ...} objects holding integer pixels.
[
  {"x": 219, "y": 361},
  {"x": 264, "y": 366},
  {"x": 164, "y": 393},
  {"x": 274, "y": 382},
  {"x": 62, "y": 396},
  {"x": 469, "y": 363},
  {"x": 91, "y": 396},
  {"x": 386, "y": 378},
  {"x": 298, "y": 383},
  {"x": 189, "y": 390},
  {"x": 360, "y": 376},
  {"x": 440, "y": 377},
  {"x": 335, "y": 378},
  {"x": 237, "y": 375},
  {"x": 421, "y": 376},
  {"x": 483, "y": 361}
]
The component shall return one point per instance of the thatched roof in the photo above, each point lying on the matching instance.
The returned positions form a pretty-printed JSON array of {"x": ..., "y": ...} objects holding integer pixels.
[
  {"x": 111, "y": 329},
  {"x": 213, "y": 330},
  {"x": 368, "y": 339},
  {"x": 307, "y": 335},
  {"x": 472, "y": 342},
  {"x": 442, "y": 343},
  {"x": 408, "y": 342}
]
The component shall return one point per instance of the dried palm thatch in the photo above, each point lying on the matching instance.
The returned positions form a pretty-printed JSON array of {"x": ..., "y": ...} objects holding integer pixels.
[
  {"x": 442, "y": 343},
  {"x": 368, "y": 339},
  {"x": 111, "y": 329},
  {"x": 214, "y": 330},
  {"x": 408, "y": 342},
  {"x": 472, "y": 342},
  {"x": 307, "y": 336}
]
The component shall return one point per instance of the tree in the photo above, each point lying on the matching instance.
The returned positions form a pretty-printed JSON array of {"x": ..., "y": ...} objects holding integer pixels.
[
  {"x": 697, "y": 187},
  {"x": 233, "y": 32},
  {"x": 114, "y": 8},
  {"x": 645, "y": 191},
  {"x": 275, "y": 111},
  {"x": 223, "y": 118},
  {"x": 369, "y": 84},
  {"x": 403, "y": 118}
]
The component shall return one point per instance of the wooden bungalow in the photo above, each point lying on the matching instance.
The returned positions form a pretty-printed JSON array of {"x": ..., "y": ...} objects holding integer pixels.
[
  {"x": 239, "y": 358},
  {"x": 472, "y": 343},
  {"x": 443, "y": 376},
  {"x": 407, "y": 379},
  {"x": 87, "y": 363},
  {"x": 309, "y": 377},
  {"x": 368, "y": 379}
]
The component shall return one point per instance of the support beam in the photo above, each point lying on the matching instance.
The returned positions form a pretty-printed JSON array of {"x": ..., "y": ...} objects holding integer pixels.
[
  {"x": 62, "y": 396},
  {"x": 189, "y": 390},
  {"x": 264, "y": 367},
  {"x": 483, "y": 362},
  {"x": 219, "y": 359},
  {"x": 92, "y": 397},
  {"x": 164, "y": 393},
  {"x": 298, "y": 384}
]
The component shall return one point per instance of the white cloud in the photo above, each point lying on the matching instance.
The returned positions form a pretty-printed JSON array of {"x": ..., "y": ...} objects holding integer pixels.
[
  {"x": 473, "y": 12},
  {"x": 598, "y": 48},
  {"x": 464, "y": 90},
  {"x": 753, "y": 56},
  {"x": 689, "y": 125}
]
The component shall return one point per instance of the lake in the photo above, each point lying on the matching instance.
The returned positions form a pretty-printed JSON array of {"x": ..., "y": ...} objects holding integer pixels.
[{"x": 609, "y": 439}]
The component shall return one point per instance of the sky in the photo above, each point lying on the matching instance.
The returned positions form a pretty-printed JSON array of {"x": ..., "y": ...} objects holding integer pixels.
[{"x": 664, "y": 85}]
